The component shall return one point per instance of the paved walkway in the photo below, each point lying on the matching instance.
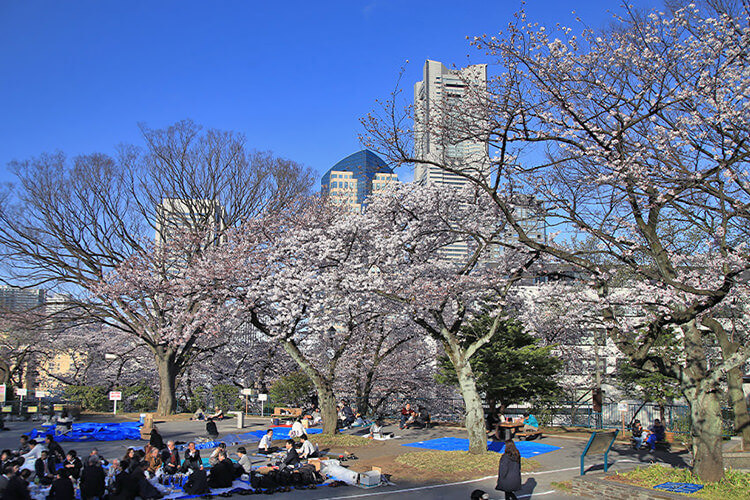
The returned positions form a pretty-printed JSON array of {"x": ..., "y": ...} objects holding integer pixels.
[{"x": 557, "y": 466}]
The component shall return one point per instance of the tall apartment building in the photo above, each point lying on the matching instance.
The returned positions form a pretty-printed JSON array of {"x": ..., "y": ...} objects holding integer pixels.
[
  {"x": 175, "y": 214},
  {"x": 350, "y": 181},
  {"x": 17, "y": 299}
]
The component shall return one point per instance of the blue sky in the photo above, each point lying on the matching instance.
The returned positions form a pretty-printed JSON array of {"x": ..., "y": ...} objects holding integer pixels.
[{"x": 294, "y": 77}]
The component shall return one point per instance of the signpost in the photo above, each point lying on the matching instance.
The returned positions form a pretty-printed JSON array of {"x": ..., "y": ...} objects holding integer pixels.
[
  {"x": 262, "y": 398},
  {"x": 115, "y": 396},
  {"x": 246, "y": 392},
  {"x": 20, "y": 392},
  {"x": 622, "y": 407},
  {"x": 599, "y": 442}
]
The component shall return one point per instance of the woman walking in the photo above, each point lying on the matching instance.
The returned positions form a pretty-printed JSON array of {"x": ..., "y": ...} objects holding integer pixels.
[{"x": 509, "y": 471}]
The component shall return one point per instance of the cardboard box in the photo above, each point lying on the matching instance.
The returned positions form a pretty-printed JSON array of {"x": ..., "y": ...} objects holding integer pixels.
[
  {"x": 369, "y": 479},
  {"x": 315, "y": 462}
]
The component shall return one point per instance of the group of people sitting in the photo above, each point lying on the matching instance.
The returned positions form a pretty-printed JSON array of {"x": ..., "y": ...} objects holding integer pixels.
[
  {"x": 414, "y": 418},
  {"x": 495, "y": 430},
  {"x": 648, "y": 437}
]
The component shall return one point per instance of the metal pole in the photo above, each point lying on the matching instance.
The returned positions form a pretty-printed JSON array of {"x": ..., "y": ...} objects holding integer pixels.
[{"x": 115, "y": 412}]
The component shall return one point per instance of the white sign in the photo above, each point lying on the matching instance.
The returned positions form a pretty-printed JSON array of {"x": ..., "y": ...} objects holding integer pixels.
[
  {"x": 21, "y": 392},
  {"x": 41, "y": 394},
  {"x": 246, "y": 392},
  {"x": 262, "y": 397},
  {"x": 115, "y": 396},
  {"x": 622, "y": 406}
]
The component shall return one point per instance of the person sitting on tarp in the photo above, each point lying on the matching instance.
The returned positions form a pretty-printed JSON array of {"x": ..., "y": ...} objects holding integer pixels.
[
  {"x": 156, "y": 440},
  {"x": 637, "y": 430},
  {"x": 92, "y": 479},
  {"x": 244, "y": 460},
  {"x": 45, "y": 468},
  {"x": 73, "y": 464},
  {"x": 199, "y": 415},
  {"x": 405, "y": 415},
  {"x": 424, "y": 416},
  {"x": 192, "y": 458},
  {"x": 64, "y": 423},
  {"x": 530, "y": 423},
  {"x": 211, "y": 429},
  {"x": 153, "y": 459},
  {"x": 62, "y": 487},
  {"x": 218, "y": 414},
  {"x": 656, "y": 433},
  {"x": 214, "y": 458},
  {"x": 95, "y": 453},
  {"x": 265, "y": 447},
  {"x": 170, "y": 457},
  {"x": 297, "y": 430},
  {"x": 54, "y": 448},
  {"x": 29, "y": 459},
  {"x": 414, "y": 422},
  {"x": 292, "y": 457},
  {"x": 146, "y": 490},
  {"x": 317, "y": 418},
  {"x": 348, "y": 414},
  {"x": 307, "y": 450},
  {"x": 197, "y": 482},
  {"x": 222, "y": 474},
  {"x": 24, "y": 446}
]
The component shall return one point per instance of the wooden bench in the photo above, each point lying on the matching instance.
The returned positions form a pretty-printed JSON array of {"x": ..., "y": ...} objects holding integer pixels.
[
  {"x": 283, "y": 412},
  {"x": 526, "y": 435}
]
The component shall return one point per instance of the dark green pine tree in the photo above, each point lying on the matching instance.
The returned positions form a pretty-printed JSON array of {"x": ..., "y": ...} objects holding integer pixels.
[{"x": 511, "y": 368}]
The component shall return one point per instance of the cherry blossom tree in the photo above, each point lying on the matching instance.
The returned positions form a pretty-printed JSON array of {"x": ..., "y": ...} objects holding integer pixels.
[
  {"x": 90, "y": 225},
  {"x": 635, "y": 138}
]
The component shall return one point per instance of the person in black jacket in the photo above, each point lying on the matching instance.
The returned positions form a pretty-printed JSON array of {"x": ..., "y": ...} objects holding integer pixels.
[
  {"x": 123, "y": 488},
  {"x": 222, "y": 474},
  {"x": 54, "y": 448},
  {"x": 92, "y": 479},
  {"x": 170, "y": 458},
  {"x": 197, "y": 483},
  {"x": 145, "y": 489},
  {"x": 62, "y": 487},
  {"x": 192, "y": 458},
  {"x": 155, "y": 440},
  {"x": 509, "y": 471},
  {"x": 292, "y": 457},
  {"x": 73, "y": 464},
  {"x": 45, "y": 467},
  {"x": 18, "y": 486},
  {"x": 211, "y": 429}
]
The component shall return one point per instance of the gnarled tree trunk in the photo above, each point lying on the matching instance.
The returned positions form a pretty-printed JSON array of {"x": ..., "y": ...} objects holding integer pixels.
[{"x": 474, "y": 418}]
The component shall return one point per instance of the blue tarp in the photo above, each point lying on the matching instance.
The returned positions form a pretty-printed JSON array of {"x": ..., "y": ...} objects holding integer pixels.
[
  {"x": 527, "y": 448},
  {"x": 282, "y": 432},
  {"x": 679, "y": 487},
  {"x": 87, "y": 431}
]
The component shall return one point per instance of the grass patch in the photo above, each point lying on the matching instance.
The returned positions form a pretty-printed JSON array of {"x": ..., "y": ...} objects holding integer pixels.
[
  {"x": 459, "y": 462},
  {"x": 564, "y": 486},
  {"x": 734, "y": 486},
  {"x": 339, "y": 441}
]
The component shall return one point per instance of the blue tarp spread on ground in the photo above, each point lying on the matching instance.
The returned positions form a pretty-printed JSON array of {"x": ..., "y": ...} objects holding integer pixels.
[
  {"x": 88, "y": 431},
  {"x": 679, "y": 487},
  {"x": 282, "y": 432},
  {"x": 527, "y": 448}
]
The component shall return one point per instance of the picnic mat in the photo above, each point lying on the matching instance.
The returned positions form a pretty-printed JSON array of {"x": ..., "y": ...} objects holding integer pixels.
[
  {"x": 89, "y": 431},
  {"x": 527, "y": 448},
  {"x": 282, "y": 432},
  {"x": 679, "y": 487}
]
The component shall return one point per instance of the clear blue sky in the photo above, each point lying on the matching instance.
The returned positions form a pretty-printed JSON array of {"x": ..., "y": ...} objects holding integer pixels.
[{"x": 294, "y": 77}]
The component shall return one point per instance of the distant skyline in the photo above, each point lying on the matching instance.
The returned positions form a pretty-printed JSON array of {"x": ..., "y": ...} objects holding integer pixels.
[{"x": 294, "y": 77}]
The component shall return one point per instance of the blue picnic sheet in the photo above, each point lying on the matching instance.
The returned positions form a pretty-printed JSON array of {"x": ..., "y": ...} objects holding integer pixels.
[
  {"x": 282, "y": 432},
  {"x": 526, "y": 448},
  {"x": 679, "y": 487},
  {"x": 89, "y": 431}
]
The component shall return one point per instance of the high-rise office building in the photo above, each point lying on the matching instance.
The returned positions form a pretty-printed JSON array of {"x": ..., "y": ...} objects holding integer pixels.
[
  {"x": 350, "y": 181},
  {"x": 174, "y": 215},
  {"x": 445, "y": 123},
  {"x": 18, "y": 300}
]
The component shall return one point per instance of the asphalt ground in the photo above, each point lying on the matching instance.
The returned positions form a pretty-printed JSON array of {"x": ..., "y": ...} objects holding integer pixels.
[{"x": 557, "y": 466}]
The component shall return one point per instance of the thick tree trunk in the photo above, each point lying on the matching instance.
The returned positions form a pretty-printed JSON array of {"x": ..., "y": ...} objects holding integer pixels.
[
  {"x": 705, "y": 409},
  {"x": 323, "y": 387},
  {"x": 739, "y": 405},
  {"x": 363, "y": 393},
  {"x": 705, "y": 413},
  {"x": 168, "y": 372},
  {"x": 474, "y": 412}
]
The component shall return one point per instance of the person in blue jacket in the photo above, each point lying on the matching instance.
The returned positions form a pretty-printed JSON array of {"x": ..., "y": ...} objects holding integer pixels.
[{"x": 530, "y": 422}]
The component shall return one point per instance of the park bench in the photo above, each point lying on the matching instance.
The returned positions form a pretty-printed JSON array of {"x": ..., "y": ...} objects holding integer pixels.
[
  {"x": 527, "y": 435},
  {"x": 283, "y": 412}
]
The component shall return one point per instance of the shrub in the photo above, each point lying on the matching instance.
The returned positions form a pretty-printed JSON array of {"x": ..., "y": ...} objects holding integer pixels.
[
  {"x": 91, "y": 397},
  {"x": 139, "y": 397},
  {"x": 292, "y": 390},
  {"x": 226, "y": 396}
]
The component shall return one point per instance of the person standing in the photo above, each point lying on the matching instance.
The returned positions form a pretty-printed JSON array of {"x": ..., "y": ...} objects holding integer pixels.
[{"x": 509, "y": 471}]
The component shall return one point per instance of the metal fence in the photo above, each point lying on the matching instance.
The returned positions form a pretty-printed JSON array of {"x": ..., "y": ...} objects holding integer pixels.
[{"x": 37, "y": 409}]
